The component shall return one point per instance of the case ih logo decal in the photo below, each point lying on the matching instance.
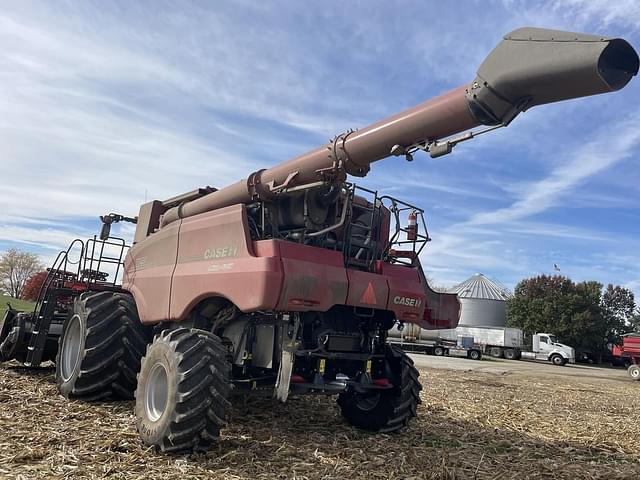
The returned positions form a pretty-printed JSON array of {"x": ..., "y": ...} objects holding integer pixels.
[
  {"x": 221, "y": 252},
  {"x": 407, "y": 301}
]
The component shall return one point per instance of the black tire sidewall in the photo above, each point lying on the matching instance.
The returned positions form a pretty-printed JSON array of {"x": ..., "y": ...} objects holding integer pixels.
[
  {"x": 153, "y": 432},
  {"x": 474, "y": 355},
  {"x": 557, "y": 360},
  {"x": 373, "y": 418},
  {"x": 66, "y": 386},
  {"x": 438, "y": 351}
]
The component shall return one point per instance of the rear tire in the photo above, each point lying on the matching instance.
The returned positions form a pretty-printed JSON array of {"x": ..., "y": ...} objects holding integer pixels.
[
  {"x": 182, "y": 400},
  {"x": 495, "y": 352},
  {"x": 558, "y": 360},
  {"x": 475, "y": 355},
  {"x": 634, "y": 372},
  {"x": 510, "y": 354},
  {"x": 387, "y": 410},
  {"x": 100, "y": 348},
  {"x": 438, "y": 351}
]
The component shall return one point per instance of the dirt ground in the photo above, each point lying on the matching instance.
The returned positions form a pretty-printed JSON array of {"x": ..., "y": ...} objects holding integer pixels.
[{"x": 477, "y": 420}]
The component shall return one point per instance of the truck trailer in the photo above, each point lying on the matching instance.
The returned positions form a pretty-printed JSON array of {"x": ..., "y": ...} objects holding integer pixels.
[
  {"x": 498, "y": 342},
  {"x": 412, "y": 338}
]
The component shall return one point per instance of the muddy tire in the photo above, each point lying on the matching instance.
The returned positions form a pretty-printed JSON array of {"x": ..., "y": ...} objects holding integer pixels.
[
  {"x": 182, "y": 399},
  {"x": 100, "y": 348},
  {"x": 388, "y": 410},
  {"x": 558, "y": 360}
]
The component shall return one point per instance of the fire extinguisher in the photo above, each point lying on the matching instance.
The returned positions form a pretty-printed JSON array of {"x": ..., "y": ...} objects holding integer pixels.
[{"x": 412, "y": 226}]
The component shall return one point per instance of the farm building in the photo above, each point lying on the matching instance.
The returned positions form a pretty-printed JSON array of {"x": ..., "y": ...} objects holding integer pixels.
[{"x": 483, "y": 302}]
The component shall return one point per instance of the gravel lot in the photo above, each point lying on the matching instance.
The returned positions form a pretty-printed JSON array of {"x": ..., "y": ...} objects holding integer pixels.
[{"x": 487, "y": 419}]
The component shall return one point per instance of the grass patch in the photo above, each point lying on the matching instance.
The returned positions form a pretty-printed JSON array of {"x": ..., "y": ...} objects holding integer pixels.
[{"x": 17, "y": 304}]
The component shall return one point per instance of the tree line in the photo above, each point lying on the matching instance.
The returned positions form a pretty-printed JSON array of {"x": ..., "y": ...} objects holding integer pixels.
[{"x": 585, "y": 315}]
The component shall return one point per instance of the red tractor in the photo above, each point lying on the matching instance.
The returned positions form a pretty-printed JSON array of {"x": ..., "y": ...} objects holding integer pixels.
[{"x": 287, "y": 281}]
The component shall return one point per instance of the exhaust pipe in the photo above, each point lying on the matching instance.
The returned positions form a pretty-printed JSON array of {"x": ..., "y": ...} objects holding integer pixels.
[{"x": 534, "y": 66}]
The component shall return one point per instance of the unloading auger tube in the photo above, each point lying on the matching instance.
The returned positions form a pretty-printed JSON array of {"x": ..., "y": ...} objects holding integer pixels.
[{"x": 529, "y": 67}]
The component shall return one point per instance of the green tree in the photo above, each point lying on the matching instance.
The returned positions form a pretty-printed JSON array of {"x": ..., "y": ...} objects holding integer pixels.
[
  {"x": 542, "y": 304},
  {"x": 619, "y": 310},
  {"x": 581, "y": 314}
]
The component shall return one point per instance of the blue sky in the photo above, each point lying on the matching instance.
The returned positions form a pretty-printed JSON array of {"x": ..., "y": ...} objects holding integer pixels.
[{"x": 104, "y": 103}]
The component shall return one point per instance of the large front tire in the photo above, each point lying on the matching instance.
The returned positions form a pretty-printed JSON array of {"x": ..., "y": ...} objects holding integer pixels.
[
  {"x": 100, "y": 348},
  {"x": 388, "y": 410},
  {"x": 182, "y": 399}
]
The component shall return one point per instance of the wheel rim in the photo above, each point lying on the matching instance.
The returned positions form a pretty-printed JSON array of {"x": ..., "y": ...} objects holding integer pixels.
[
  {"x": 635, "y": 372},
  {"x": 156, "y": 392},
  {"x": 71, "y": 348},
  {"x": 368, "y": 402}
]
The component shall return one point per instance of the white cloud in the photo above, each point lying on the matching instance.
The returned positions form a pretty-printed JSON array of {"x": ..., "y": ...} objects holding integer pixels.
[{"x": 613, "y": 145}]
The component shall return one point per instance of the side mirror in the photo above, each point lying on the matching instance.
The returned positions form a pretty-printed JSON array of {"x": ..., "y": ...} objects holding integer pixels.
[{"x": 105, "y": 231}]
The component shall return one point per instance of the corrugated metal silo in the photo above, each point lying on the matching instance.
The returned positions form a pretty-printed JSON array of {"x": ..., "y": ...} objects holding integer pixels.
[{"x": 482, "y": 301}]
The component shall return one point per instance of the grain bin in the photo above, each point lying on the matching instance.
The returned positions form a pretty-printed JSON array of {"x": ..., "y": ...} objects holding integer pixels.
[{"x": 483, "y": 302}]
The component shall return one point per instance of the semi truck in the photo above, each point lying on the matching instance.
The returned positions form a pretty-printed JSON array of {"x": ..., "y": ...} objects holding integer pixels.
[
  {"x": 498, "y": 342},
  {"x": 289, "y": 280},
  {"x": 545, "y": 347},
  {"x": 506, "y": 342}
]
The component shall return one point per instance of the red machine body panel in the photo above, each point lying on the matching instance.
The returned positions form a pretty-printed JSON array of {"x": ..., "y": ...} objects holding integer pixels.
[
  {"x": 406, "y": 292},
  {"x": 367, "y": 290},
  {"x": 216, "y": 258},
  {"x": 314, "y": 278},
  {"x": 148, "y": 269},
  {"x": 630, "y": 347}
]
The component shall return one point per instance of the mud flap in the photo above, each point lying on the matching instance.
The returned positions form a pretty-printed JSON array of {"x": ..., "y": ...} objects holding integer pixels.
[{"x": 289, "y": 347}]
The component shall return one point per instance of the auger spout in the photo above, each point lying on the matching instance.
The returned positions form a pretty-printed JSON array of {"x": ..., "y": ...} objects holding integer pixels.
[{"x": 529, "y": 67}]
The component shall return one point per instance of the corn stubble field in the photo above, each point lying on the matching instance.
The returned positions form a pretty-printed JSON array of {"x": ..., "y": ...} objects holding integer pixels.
[{"x": 470, "y": 425}]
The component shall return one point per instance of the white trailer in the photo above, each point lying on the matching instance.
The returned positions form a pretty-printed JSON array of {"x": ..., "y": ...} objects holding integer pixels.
[{"x": 495, "y": 341}]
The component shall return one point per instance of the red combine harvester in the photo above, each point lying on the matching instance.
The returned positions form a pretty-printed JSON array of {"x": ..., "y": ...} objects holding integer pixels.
[
  {"x": 287, "y": 281},
  {"x": 629, "y": 352}
]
